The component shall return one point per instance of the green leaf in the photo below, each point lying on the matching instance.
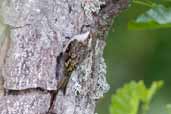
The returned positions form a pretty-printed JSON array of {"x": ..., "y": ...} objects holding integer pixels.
[
  {"x": 150, "y": 93},
  {"x": 168, "y": 108},
  {"x": 128, "y": 98},
  {"x": 157, "y": 17}
]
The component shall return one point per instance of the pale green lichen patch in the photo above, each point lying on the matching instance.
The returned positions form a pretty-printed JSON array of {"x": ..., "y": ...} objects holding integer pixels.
[
  {"x": 2, "y": 32},
  {"x": 3, "y": 29},
  {"x": 91, "y": 6},
  {"x": 84, "y": 81}
]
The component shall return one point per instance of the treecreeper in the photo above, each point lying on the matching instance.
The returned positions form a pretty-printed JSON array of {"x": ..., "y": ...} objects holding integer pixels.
[{"x": 51, "y": 57}]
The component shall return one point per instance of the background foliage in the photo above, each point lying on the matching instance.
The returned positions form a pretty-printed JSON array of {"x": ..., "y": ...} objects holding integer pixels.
[
  {"x": 133, "y": 98},
  {"x": 138, "y": 55}
]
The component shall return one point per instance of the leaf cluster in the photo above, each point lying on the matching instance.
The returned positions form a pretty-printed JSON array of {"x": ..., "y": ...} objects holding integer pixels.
[
  {"x": 157, "y": 16},
  {"x": 133, "y": 98}
]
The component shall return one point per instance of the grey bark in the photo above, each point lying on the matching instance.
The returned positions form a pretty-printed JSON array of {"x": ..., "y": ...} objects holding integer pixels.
[{"x": 54, "y": 60}]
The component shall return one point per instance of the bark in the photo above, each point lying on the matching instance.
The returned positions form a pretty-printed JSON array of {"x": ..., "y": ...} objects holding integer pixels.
[{"x": 52, "y": 61}]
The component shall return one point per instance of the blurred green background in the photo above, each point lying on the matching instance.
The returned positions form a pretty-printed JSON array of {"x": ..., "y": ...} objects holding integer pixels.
[{"x": 137, "y": 55}]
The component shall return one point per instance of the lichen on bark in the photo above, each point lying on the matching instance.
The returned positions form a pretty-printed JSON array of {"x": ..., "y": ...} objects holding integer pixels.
[{"x": 49, "y": 41}]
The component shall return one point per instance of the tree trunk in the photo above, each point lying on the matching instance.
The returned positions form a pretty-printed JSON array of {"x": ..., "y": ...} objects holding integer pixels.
[{"x": 52, "y": 62}]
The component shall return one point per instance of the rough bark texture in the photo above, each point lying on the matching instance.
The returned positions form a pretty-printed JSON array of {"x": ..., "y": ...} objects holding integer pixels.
[{"x": 54, "y": 63}]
